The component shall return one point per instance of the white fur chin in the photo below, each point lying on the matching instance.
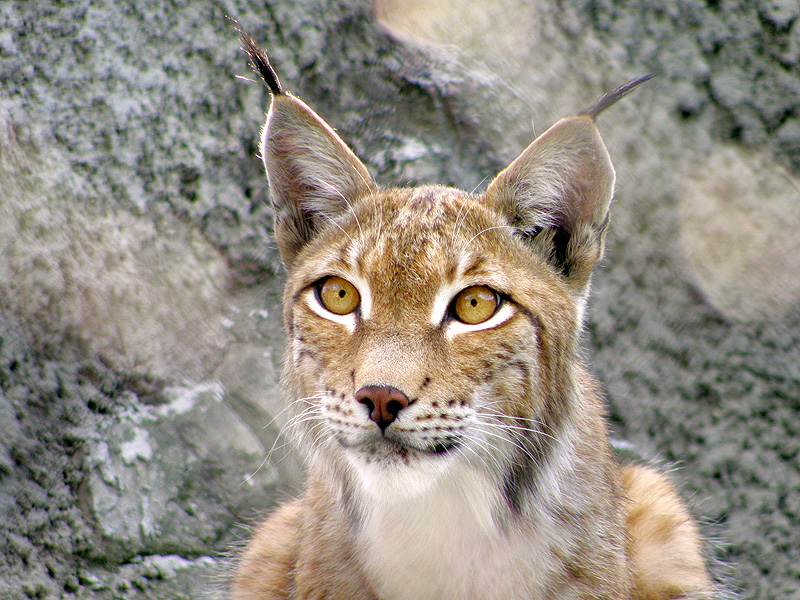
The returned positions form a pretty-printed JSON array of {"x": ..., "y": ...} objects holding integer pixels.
[{"x": 388, "y": 478}]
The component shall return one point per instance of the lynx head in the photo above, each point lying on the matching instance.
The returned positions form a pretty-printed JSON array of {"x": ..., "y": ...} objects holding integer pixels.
[{"x": 429, "y": 328}]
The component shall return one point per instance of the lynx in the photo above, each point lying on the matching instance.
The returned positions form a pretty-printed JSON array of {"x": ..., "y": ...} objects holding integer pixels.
[{"x": 456, "y": 446}]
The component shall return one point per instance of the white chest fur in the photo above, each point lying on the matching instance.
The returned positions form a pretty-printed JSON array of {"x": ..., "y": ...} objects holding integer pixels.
[{"x": 444, "y": 543}]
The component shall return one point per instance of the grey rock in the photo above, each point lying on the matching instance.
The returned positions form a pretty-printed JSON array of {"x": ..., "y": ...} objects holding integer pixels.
[
  {"x": 138, "y": 283},
  {"x": 779, "y": 12},
  {"x": 165, "y": 479}
]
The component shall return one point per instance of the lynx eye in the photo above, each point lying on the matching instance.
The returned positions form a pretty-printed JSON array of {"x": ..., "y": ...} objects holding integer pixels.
[
  {"x": 338, "y": 295},
  {"x": 475, "y": 304}
]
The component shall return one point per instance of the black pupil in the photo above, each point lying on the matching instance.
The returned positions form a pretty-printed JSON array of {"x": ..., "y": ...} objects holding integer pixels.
[
  {"x": 473, "y": 302},
  {"x": 342, "y": 293}
]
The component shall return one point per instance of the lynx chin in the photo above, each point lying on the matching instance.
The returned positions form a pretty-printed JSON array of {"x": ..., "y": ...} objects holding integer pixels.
[{"x": 456, "y": 446}]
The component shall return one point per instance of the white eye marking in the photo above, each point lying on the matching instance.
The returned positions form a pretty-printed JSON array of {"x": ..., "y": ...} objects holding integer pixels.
[
  {"x": 361, "y": 284},
  {"x": 348, "y": 320},
  {"x": 448, "y": 292},
  {"x": 503, "y": 314},
  {"x": 442, "y": 302},
  {"x": 366, "y": 295},
  {"x": 353, "y": 252}
]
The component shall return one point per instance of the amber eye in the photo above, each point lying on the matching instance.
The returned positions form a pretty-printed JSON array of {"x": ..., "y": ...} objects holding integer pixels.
[
  {"x": 475, "y": 304},
  {"x": 338, "y": 295}
]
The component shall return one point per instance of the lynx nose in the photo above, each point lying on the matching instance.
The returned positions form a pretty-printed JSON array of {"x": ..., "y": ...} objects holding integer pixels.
[{"x": 383, "y": 402}]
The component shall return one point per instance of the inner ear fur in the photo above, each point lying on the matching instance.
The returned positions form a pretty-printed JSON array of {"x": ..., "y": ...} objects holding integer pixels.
[
  {"x": 557, "y": 195},
  {"x": 313, "y": 175}
]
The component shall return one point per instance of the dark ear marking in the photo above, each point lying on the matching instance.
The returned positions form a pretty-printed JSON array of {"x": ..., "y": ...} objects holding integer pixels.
[
  {"x": 260, "y": 62},
  {"x": 528, "y": 234},
  {"x": 611, "y": 98}
]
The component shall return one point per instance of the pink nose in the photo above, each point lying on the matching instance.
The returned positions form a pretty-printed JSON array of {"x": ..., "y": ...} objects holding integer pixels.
[{"x": 384, "y": 403}]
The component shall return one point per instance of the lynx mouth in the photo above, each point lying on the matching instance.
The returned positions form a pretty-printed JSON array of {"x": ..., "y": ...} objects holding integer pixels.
[
  {"x": 425, "y": 445},
  {"x": 391, "y": 447}
]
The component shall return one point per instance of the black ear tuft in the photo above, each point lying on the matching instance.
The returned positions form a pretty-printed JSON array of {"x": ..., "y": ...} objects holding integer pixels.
[
  {"x": 610, "y": 99},
  {"x": 260, "y": 62}
]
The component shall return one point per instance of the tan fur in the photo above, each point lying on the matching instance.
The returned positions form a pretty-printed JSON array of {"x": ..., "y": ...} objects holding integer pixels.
[
  {"x": 495, "y": 480},
  {"x": 665, "y": 547}
]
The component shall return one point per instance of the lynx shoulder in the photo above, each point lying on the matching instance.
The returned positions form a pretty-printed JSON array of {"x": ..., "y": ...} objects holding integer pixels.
[{"x": 456, "y": 446}]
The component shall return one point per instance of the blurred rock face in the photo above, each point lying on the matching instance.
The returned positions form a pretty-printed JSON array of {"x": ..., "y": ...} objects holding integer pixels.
[
  {"x": 127, "y": 349},
  {"x": 145, "y": 296},
  {"x": 740, "y": 231}
]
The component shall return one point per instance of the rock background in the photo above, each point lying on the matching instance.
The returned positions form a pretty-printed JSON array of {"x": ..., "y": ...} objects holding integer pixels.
[{"x": 140, "y": 338}]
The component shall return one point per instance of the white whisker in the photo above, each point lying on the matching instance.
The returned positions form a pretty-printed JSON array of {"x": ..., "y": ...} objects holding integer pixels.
[
  {"x": 330, "y": 219},
  {"x": 461, "y": 217},
  {"x": 486, "y": 231},
  {"x": 346, "y": 201},
  {"x": 479, "y": 184},
  {"x": 517, "y": 446},
  {"x": 306, "y": 416}
]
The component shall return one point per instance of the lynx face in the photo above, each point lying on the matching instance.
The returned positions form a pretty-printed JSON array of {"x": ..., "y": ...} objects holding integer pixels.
[
  {"x": 429, "y": 327},
  {"x": 419, "y": 323}
]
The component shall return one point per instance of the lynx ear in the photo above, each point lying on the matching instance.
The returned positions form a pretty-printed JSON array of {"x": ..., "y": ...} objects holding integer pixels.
[
  {"x": 557, "y": 194},
  {"x": 313, "y": 175}
]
